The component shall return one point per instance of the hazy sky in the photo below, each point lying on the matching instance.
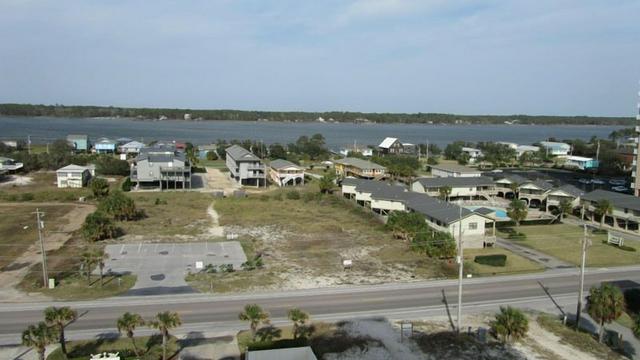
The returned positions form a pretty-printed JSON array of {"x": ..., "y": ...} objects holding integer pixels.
[{"x": 578, "y": 57}]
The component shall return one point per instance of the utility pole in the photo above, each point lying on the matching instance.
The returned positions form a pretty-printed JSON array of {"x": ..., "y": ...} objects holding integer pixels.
[
  {"x": 581, "y": 289},
  {"x": 29, "y": 144},
  {"x": 460, "y": 271},
  {"x": 40, "y": 224}
]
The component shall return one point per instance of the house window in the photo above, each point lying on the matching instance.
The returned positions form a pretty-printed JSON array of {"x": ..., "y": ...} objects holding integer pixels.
[{"x": 473, "y": 226}]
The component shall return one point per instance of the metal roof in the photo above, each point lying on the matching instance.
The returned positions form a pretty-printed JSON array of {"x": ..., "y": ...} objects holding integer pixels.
[
  {"x": 72, "y": 167},
  {"x": 455, "y": 181},
  {"x": 387, "y": 142},
  {"x": 238, "y": 153},
  {"x": 454, "y": 168},
  {"x": 360, "y": 164},
  {"x": 570, "y": 189},
  {"x": 281, "y": 164},
  {"x": 621, "y": 201}
]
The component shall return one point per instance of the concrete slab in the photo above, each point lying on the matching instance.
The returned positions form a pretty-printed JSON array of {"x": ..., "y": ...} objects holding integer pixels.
[{"x": 161, "y": 267}]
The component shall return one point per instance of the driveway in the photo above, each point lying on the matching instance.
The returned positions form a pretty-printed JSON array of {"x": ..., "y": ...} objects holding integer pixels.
[{"x": 161, "y": 268}]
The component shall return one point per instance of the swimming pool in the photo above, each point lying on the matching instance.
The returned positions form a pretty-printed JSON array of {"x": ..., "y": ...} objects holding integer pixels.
[{"x": 500, "y": 212}]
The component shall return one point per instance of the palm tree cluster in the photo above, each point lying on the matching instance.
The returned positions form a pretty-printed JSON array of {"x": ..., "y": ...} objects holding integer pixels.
[
  {"x": 256, "y": 316},
  {"x": 57, "y": 318},
  {"x": 510, "y": 325},
  {"x": 605, "y": 304}
]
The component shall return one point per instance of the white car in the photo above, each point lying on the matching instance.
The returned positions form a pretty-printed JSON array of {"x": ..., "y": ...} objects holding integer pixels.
[
  {"x": 584, "y": 181},
  {"x": 619, "y": 188},
  {"x": 617, "y": 182},
  {"x": 598, "y": 181}
]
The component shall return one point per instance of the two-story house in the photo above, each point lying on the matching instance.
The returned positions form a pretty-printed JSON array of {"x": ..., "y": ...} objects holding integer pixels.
[
  {"x": 161, "y": 167},
  {"x": 359, "y": 168},
  {"x": 245, "y": 167}
]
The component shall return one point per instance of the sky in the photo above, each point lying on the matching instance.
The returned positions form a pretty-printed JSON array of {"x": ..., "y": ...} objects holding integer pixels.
[{"x": 547, "y": 57}]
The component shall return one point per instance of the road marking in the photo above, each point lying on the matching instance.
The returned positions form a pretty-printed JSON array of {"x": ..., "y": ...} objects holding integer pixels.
[{"x": 139, "y": 247}]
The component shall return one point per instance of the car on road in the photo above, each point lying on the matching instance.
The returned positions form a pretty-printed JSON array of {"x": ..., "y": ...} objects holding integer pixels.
[
  {"x": 598, "y": 181},
  {"x": 618, "y": 182},
  {"x": 619, "y": 188},
  {"x": 584, "y": 181}
]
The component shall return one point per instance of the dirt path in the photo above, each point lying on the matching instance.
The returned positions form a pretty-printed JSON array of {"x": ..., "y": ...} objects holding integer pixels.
[
  {"x": 220, "y": 181},
  {"x": 215, "y": 229},
  {"x": 54, "y": 239}
]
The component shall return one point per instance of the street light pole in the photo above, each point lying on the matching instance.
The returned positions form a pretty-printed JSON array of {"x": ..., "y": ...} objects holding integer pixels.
[{"x": 581, "y": 289}]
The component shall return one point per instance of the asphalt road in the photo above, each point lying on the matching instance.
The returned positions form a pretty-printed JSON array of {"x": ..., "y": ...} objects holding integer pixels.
[{"x": 199, "y": 311}]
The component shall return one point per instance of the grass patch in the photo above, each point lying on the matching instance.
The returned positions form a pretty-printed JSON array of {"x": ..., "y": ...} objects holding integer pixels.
[
  {"x": 578, "y": 339},
  {"x": 169, "y": 213},
  {"x": 626, "y": 320},
  {"x": 514, "y": 263},
  {"x": 43, "y": 188},
  {"x": 564, "y": 242},
  {"x": 13, "y": 232},
  {"x": 217, "y": 164},
  {"x": 76, "y": 287},
  {"x": 236, "y": 281},
  {"x": 149, "y": 346},
  {"x": 496, "y": 260}
]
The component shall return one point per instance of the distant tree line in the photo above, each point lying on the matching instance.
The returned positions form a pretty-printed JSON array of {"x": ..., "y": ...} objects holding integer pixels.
[
  {"x": 305, "y": 148},
  {"x": 424, "y": 118}
]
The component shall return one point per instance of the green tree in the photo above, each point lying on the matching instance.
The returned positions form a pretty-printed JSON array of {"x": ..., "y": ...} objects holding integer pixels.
[
  {"x": 517, "y": 211},
  {"x": 636, "y": 326},
  {"x": 38, "y": 337},
  {"x": 191, "y": 153},
  {"x": 444, "y": 192},
  {"x": 60, "y": 317},
  {"x": 277, "y": 151},
  {"x": 100, "y": 257},
  {"x": 435, "y": 244},
  {"x": 510, "y": 324},
  {"x": 603, "y": 208},
  {"x": 566, "y": 207},
  {"x": 254, "y": 314},
  {"x": 88, "y": 260},
  {"x": 299, "y": 319},
  {"x": 212, "y": 156},
  {"x": 405, "y": 225},
  {"x": 128, "y": 323},
  {"x": 119, "y": 206},
  {"x": 605, "y": 304},
  {"x": 99, "y": 187},
  {"x": 164, "y": 322},
  {"x": 326, "y": 183},
  {"x": 97, "y": 226}
]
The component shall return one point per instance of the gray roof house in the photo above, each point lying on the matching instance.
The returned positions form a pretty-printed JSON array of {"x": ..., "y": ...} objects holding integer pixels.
[
  {"x": 245, "y": 167},
  {"x": 161, "y": 167},
  {"x": 284, "y": 172},
  {"x": 626, "y": 210},
  {"x": 364, "y": 169},
  {"x": 480, "y": 187},
  {"x": 453, "y": 170},
  {"x": 73, "y": 176},
  {"x": 7, "y": 164}
]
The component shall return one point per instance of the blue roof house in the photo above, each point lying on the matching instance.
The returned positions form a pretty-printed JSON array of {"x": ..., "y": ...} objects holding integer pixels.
[
  {"x": 105, "y": 146},
  {"x": 79, "y": 142}
]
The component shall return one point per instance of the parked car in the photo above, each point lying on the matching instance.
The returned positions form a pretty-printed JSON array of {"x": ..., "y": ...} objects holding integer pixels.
[
  {"x": 584, "y": 181},
  {"x": 617, "y": 182},
  {"x": 619, "y": 188},
  {"x": 598, "y": 181}
]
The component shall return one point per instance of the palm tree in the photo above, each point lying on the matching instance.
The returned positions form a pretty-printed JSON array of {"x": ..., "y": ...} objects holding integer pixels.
[
  {"x": 565, "y": 206},
  {"x": 254, "y": 314},
  {"x": 445, "y": 191},
  {"x": 38, "y": 337},
  {"x": 164, "y": 322},
  {"x": 326, "y": 183},
  {"x": 128, "y": 323},
  {"x": 510, "y": 324},
  {"x": 100, "y": 257},
  {"x": 59, "y": 317},
  {"x": 299, "y": 319},
  {"x": 517, "y": 211},
  {"x": 88, "y": 260},
  {"x": 605, "y": 304},
  {"x": 514, "y": 188},
  {"x": 603, "y": 208}
]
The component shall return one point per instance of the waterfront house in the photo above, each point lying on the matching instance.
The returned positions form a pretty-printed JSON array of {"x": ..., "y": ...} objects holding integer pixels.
[
  {"x": 203, "y": 150},
  {"x": 507, "y": 185},
  {"x": 520, "y": 149},
  {"x": 163, "y": 167},
  {"x": 467, "y": 188},
  {"x": 473, "y": 154},
  {"x": 534, "y": 192},
  {"x": 625, "y": 214},
  {"x": 79, "y": 142},
  {"x": 245, "y": 167},
  {"x": 579, "y": 162},
  {"x": 359, "y": 168},
  {"x": 286, "y": 173},
  {"x": 391, "y": 145},
  {"x": 555, "y": 148},
  {"x": 453, "y": 170},
  {"x": 9, "y": 165},
  {"x": 73, "y": 176},
  {"x": 105, "y": 146},
  {"x": 132, "y": 147}
]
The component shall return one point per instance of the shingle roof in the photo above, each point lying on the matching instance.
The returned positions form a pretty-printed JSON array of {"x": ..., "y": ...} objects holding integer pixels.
[
  {"x": 571, "y": 190},
  {"x": 455, "y": 181},
  {"x": 514, "y": 178},
  {"x": 544, "y": 185},
  {"x": 238, "y": 153},
  {"x": 387, "y": 142},
  {"x": 454, "y": 168},
  {"x": 622, "y": 201},
  {"x": 73, "y": 167},
  {"x": 359, "y": 163},
  {"x": 280, "y": 164},
  {"x": 133, "y": 144}
]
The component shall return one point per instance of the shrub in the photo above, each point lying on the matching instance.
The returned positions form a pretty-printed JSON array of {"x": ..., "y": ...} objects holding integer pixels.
[
  {"x": 306, "y": 197},
  {"x": 293, "y": 195},
  {"x": 99, "y": 187},
  {"x": 160, "y": 202},
  {"x": 26, "y": 197},
  {"x": 211, "y": 155},
  {"x": 278, "y": 196},
  {"x": 107, "y": 165},
  {"x": 226, "y": 268},
  {"x": 120, "y": 207},
  {"x": 491, "y": 260},
  {"x": 98, "y": 226},
  {"x": 517, "y": 236},
  {"x": 126, "y": 184}
]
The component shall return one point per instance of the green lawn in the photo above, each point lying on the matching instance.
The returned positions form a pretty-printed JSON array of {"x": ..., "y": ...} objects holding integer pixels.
[
  {"x": 515, "y": 263},
  {"x": 169, "y": 213},
  {"x": 150, "y": 348},
  {"x": 18, "y": 227},
  {"x": 564, "y": 242},
  {"x": 77, "y": 287},
  {"x": 218, "y": 164}
]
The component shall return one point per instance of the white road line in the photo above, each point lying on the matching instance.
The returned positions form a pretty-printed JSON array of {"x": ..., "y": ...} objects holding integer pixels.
[
  {"x": 122, "y": 249},
  {"x": 139, "y": 247}
]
